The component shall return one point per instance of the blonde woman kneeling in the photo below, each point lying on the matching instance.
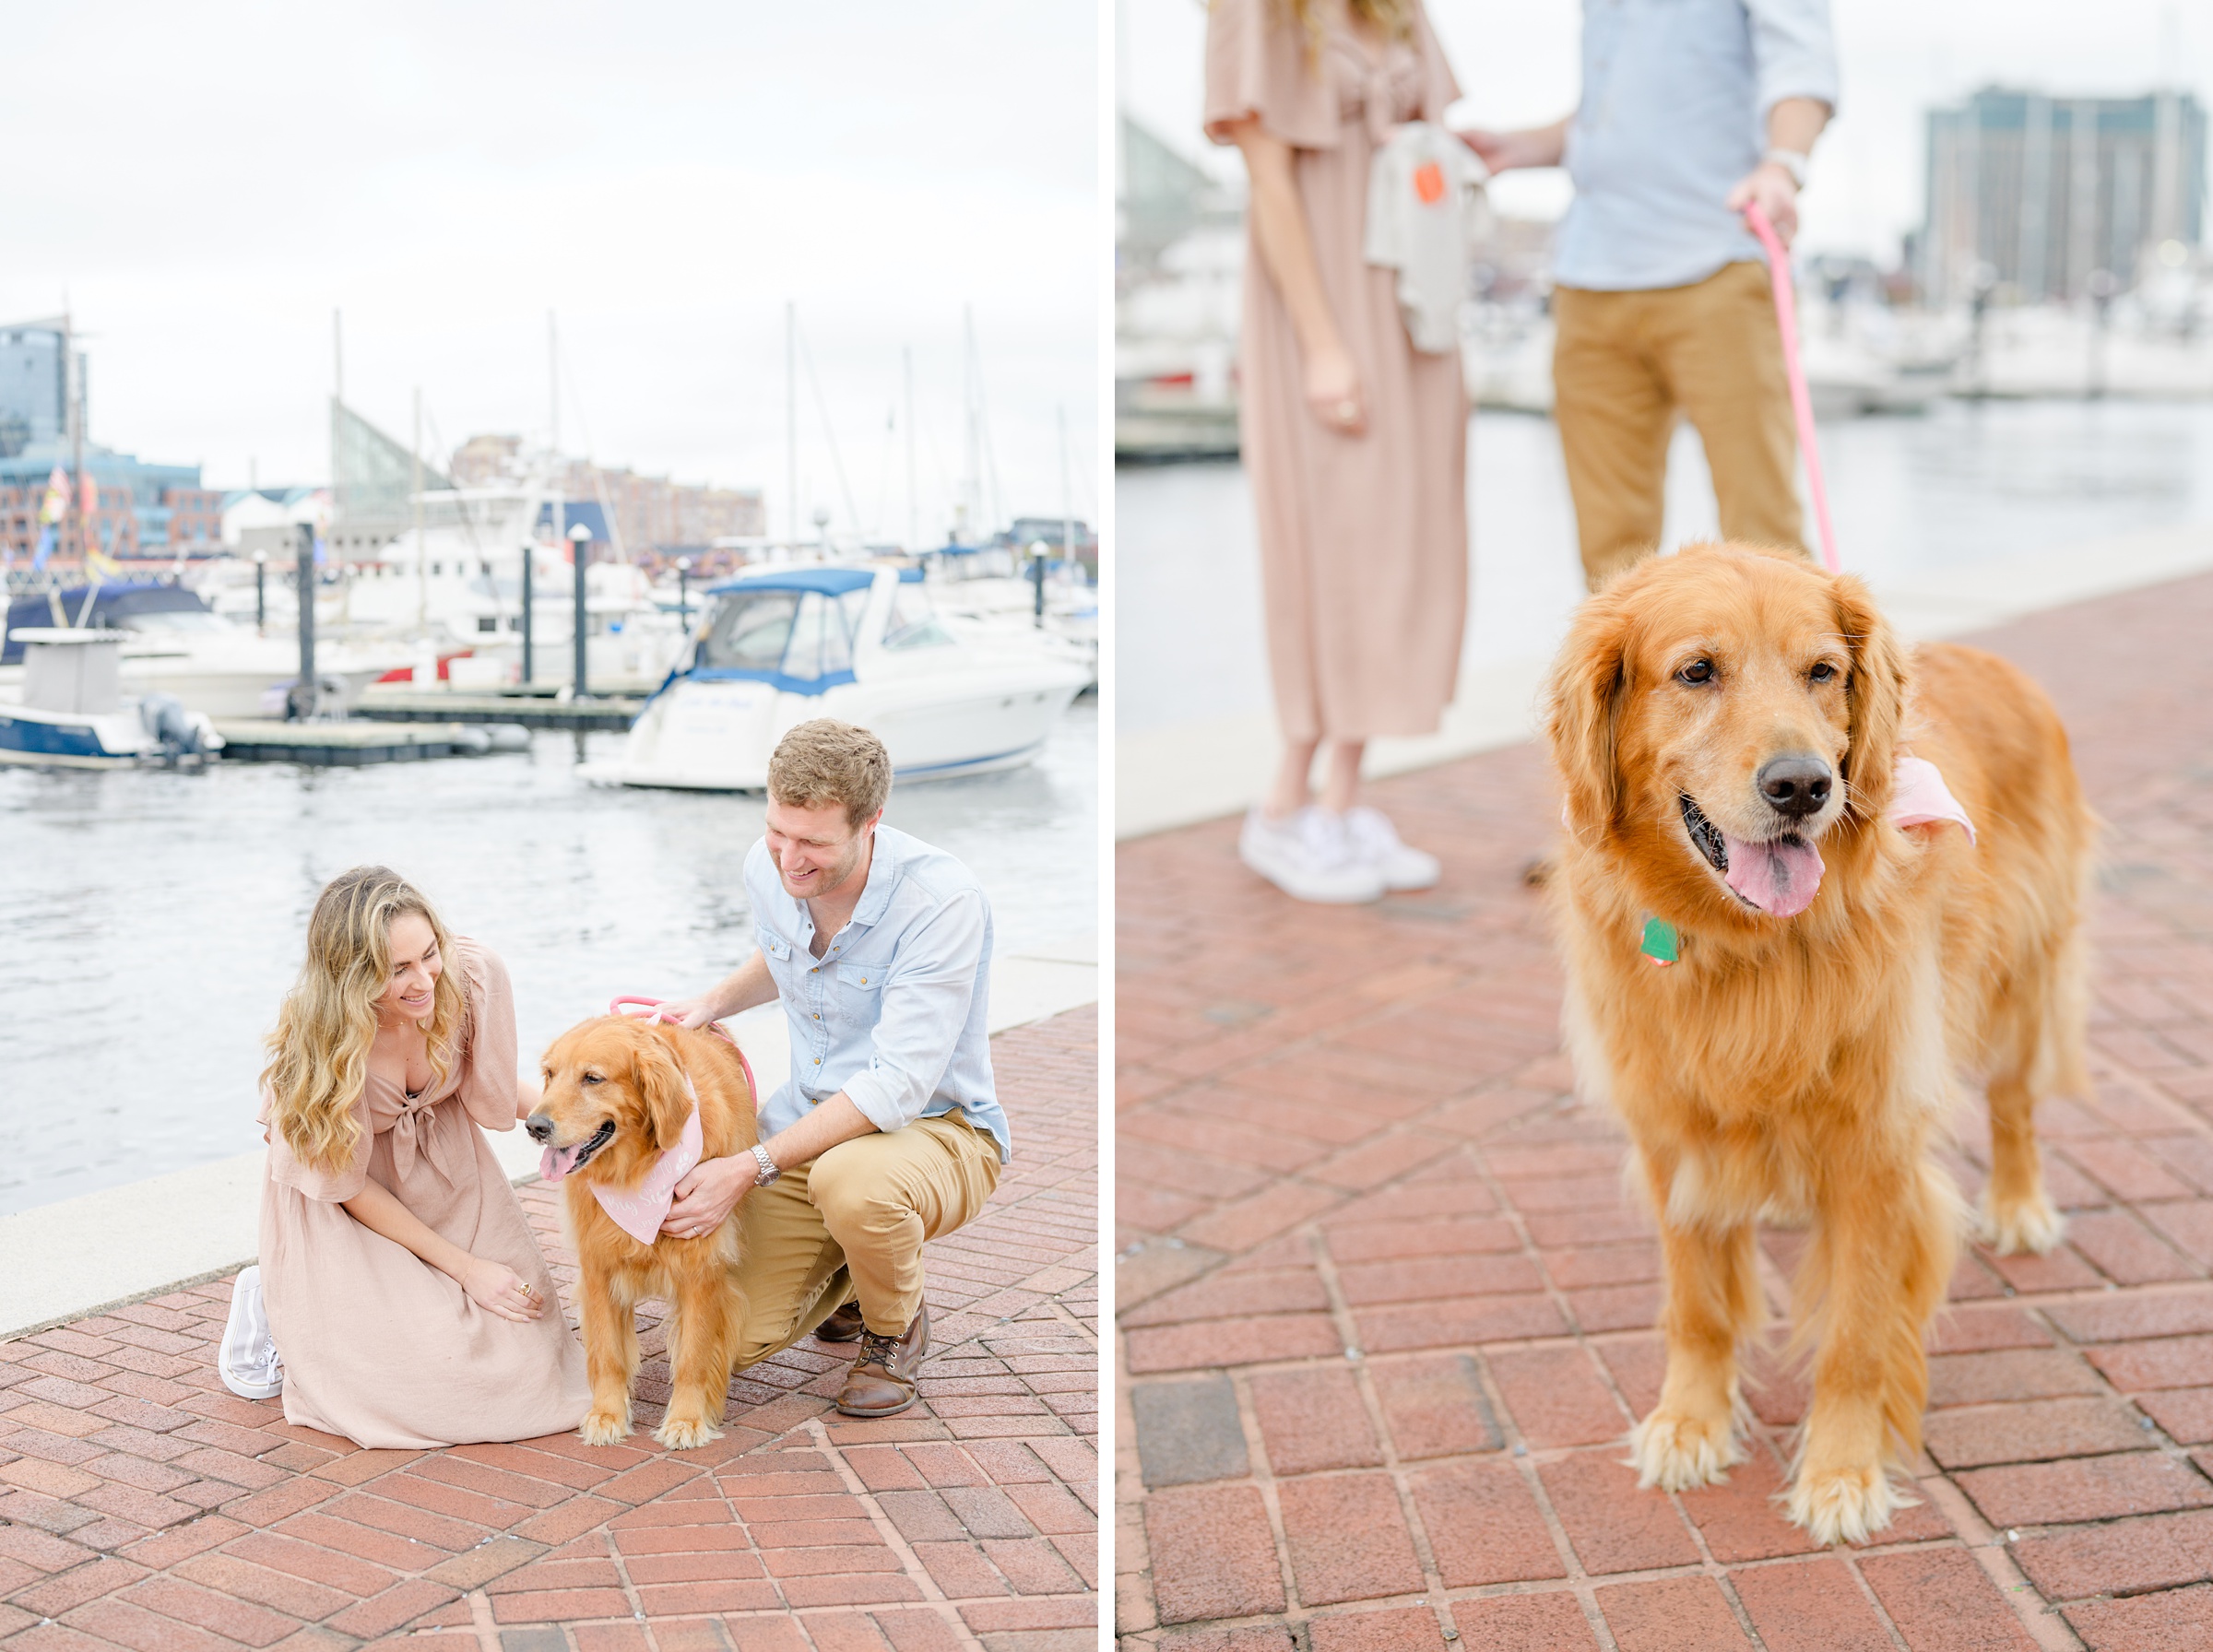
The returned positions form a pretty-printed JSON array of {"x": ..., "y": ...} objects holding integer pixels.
[{"x": 404, "y": 1290}]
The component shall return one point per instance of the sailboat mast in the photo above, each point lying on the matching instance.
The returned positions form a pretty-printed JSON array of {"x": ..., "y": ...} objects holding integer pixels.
[
  {"x": 914, "y": 533},
  {"x": 791, "y": 423},
  {"x": 1068, "y": 513},
  {"x": 423, "y": 566},
  {"x": 973, "y": 484},
  {"x": 557, "y": 483},
  {"x": 73, "y": 384}
]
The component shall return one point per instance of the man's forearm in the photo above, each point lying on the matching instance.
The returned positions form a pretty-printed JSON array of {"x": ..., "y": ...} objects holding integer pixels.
[
  {"x": 827, "y": 1123},
  {"x": 750, "y": 984},
  {"x": 1795, "y": 123}
]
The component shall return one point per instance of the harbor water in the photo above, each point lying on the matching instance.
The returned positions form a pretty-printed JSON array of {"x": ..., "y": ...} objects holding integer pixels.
[
  {"x": 1967, "y": 485},
  {"x": 150, "y": 921}
]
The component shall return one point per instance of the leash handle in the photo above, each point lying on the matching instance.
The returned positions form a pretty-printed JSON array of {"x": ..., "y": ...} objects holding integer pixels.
[
  {"x": 1802, "y": 404},
  {"x": 653, "y": 1013}
]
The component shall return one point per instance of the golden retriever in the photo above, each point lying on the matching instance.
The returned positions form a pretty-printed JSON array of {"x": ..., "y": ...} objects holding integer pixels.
[
  {"x": 1727, "y": 723},
  {"x": 616, "y": 1098}
]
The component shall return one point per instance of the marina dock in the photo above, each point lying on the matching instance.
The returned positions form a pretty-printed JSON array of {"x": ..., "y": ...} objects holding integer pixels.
[
  {"x": 353, "y": 743},
  {"x": 613, "y": 712}
]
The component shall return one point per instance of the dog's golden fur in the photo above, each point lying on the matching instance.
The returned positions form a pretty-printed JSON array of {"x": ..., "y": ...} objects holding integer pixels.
[
  {"x": 631, "y": 1073},
  {"x": 1797, "y": 1068}
]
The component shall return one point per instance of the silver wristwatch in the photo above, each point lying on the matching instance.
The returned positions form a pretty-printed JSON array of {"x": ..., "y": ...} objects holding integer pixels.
[
  {"x": 1793, "y": 161},
  {"x": 769, "y": 1170}
]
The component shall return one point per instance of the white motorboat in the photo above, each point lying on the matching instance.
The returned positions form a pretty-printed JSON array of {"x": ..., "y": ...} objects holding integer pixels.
[
  {"x": 73, "y": 713},
  {"x": 991, "y": 606},
  {"x": 172, "y": 644},
  {"x": 863, "y": 644}
]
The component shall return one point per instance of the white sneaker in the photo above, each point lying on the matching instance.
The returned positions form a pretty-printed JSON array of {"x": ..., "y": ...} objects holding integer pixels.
[
  {"x": 247, "y": 1360},
  {"x": 1309, "y": 857},
  {"x": 1376, "y": 840}
]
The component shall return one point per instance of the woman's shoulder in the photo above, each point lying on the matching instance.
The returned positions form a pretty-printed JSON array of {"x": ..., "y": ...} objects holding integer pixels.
[{"x": 477, "y": 960}]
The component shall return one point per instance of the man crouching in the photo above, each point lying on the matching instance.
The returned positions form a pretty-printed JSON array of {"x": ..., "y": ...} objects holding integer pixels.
[{"x": 886, "y": 1131}]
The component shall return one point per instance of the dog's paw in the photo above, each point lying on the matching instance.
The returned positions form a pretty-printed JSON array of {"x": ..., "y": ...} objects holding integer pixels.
[
  {"x": 1677, "y": 1453},
  {"x": 2020, "y": 1226},
  {"x": 1844, "y": 1505},
  {"x": 604, "y": 1428},
  {"x": 686, "y": 1434}
]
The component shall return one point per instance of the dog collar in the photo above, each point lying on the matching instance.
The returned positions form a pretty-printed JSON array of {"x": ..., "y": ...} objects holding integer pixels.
[
  {"x": 1662, "y": 944},
  {"x": 639, "y": 1211}
]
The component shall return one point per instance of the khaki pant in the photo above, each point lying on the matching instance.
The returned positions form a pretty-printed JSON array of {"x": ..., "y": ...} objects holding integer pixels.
[
  {"x": 1625, "y": 364},
  {"x": 852, "y": 1224}
]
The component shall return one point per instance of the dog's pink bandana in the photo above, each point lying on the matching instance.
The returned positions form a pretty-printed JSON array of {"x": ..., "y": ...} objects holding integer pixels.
[
  {"x": 1920, "y": 798},
  {"x": 639, "y": 1211}
]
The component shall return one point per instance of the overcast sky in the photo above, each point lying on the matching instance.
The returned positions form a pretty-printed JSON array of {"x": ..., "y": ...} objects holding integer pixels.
[
  {"x": 1517, "y": 61},
  {"x": 207, "y": 184}
]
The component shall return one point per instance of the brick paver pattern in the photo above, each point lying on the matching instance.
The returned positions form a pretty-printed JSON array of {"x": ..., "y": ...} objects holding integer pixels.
[
  {"x": 1386, "y": 1309},
  {"x": 142, "y": 1505}
]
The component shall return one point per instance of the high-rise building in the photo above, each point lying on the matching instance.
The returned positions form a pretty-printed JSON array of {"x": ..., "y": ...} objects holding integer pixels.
[
  {"x": 34, "y": 385},
  {"x": 2038, "y": 195}
]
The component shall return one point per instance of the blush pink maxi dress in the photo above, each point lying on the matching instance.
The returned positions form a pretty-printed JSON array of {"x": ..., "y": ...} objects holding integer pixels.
[
  {"x": 378, "y": 1345},
  {"x": 1364, "y": 539}
]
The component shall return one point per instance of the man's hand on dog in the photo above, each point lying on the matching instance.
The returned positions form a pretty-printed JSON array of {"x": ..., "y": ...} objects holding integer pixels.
[
  {"x": 707, "y": 1197},
  {"x": 693, "y": 1013}
]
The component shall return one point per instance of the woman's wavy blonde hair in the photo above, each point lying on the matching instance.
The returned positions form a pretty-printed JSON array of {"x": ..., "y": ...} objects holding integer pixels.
[
  {"x": 1392, "y": 19},
  {"x": 319, "y": 1053}
]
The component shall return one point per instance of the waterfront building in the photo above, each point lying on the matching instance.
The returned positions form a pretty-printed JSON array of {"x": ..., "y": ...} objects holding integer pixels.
[
  {"x": 641, "y": 513},
  {"x": 137, "y": 510},
  {"x": 34, "y": 385},
  {"x": 2051, "y": 198}
]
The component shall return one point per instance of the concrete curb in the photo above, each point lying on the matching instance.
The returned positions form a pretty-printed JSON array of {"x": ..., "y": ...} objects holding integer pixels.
[{"x": 124, "y": 1245}]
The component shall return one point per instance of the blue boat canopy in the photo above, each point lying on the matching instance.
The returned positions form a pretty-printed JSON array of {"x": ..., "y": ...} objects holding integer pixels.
[
  {"x": 829, "y": 582},
  {"x": 112, "y": 605}
]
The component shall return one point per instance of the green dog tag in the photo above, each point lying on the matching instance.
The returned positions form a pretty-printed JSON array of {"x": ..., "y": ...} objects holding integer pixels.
[{"x": 1659, "y": 944}]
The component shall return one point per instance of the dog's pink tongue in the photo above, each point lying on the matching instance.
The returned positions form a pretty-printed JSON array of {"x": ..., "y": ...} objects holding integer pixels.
[
  {"x": 557, "y": 1162},
  {"x": 1781, "y": 876}
]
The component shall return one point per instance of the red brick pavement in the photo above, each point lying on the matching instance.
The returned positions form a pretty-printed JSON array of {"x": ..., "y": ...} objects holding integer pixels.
[
  {"x": 144, "y": 1506},
  {"x": 1385, "y": 1310}
]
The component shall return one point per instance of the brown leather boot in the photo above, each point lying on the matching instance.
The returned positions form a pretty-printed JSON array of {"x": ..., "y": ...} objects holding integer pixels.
[
  {"x": 882, "y": 1381},
  {"x": 842, "y": 1325}
]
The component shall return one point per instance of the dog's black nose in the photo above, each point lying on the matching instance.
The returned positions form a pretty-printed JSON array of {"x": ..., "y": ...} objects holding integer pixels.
[
  {"x": 540, "y": 1126},
  {"x": 1795, "y": 785}
]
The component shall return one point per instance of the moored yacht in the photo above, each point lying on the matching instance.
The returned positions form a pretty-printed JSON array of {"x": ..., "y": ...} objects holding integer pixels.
[{"x": 864, "y": 645}]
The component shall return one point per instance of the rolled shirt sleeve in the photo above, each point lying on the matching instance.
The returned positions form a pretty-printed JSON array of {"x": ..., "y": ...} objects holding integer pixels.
[
  {"x": 1794, "y": 52},
  {"x": 923, "y": 1009}
]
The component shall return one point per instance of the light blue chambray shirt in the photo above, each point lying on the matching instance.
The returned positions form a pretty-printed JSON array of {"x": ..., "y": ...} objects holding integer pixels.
[
  {"x": 1674, "y": 112},
  {"x": 892, "y": 1013}
]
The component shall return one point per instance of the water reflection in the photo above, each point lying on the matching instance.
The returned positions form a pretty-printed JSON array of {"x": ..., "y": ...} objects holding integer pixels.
[{"x": 150, "y": 922}]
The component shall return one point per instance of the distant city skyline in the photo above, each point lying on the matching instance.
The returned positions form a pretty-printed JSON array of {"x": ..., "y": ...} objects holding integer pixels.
[
  {"x": 1518, "y": 66},
  {"x": 445, "y": 178}
]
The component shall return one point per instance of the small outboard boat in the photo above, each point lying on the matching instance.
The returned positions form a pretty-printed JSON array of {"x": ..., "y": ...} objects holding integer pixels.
[
  {"x": 73, "y": 713},
  {"x": 863, "y": 644}
]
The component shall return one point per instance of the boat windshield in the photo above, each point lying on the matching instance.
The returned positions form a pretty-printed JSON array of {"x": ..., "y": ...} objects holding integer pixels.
[
  {"x": 801, "y": 634},
  {"x": 914, "y": 622}
]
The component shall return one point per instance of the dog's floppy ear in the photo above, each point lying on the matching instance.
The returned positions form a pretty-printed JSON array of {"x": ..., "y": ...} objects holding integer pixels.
[
  {"x": 1875, "y": 693},
  {"x": 661, "y": 1086},
  {"x": 1584, "y": 704}
]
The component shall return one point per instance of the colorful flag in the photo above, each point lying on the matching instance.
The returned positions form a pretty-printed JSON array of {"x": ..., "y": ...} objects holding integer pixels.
[{"x": 56, "y": 503}]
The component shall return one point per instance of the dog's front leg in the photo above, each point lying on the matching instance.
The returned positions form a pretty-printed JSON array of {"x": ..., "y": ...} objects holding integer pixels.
[
  {"x": 1690, "y": 1437},
  {"x": 701, "y": 1329},
  {"x": 605, "y": 1315},
  {"x": 1880, "y": 1261}
]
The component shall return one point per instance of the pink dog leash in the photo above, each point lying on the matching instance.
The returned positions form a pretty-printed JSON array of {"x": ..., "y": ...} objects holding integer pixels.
[
  {"x": 1802, "y": 404},
  {"x": 653, "y": 1013}
]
